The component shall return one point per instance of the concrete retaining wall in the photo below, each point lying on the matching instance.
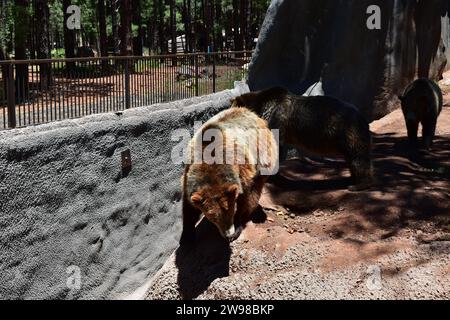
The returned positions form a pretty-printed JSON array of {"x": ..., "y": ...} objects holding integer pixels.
[{"x": 66, "y": 207}]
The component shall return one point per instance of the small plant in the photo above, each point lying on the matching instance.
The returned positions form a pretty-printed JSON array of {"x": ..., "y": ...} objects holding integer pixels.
[{"x": 58, "y": 53}]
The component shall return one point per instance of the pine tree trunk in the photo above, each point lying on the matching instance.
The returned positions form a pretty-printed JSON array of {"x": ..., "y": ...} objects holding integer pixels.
[
  {"x": 238, "y": 45},
  {"x": 126, "y": 44},
  {"x": 218, "y": 17},
  {"x": 173, "y": 27},
  {"x": 3, "y": 25},
  {"x": 195, "y": 28},
  {"x": 115, "y": 26},
  {"x": 189, "y": 23},
  {"x": 242, "y": 22},
  {"x": 69, "y": 39},
  {"x": 42, "y": 11},
  {"x": 138, "y": 45},
  {"x": 248, "y": 30},
  {"x": 32, "y": 35},
  {"x": 209, "y": 32},
  {"x": 101, "y": 13},
  {"x": 186, "y": 23},
  {"x": 21, "y": 25},
  {"x": 151, "y": 27},
  {"x": 4, "y": 72},
  {"x": 161, "y": 24},
  {"x": 228, "y": 24}
]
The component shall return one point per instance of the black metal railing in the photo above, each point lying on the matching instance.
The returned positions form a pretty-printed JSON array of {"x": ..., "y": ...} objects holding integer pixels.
[{"x": 41, "y": 91}]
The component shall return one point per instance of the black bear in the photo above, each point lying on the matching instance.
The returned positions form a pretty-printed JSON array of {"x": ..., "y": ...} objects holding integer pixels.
[
  {"x": 422, "y": 103},
  {"x": 321, "y": 125}
]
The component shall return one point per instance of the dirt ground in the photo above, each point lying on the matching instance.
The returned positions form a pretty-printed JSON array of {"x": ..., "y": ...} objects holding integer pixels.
[{"x": 320, "y": 241}]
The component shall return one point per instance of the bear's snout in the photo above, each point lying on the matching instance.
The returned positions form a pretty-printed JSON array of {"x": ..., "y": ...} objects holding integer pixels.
[{"x": 229, "y": 233}]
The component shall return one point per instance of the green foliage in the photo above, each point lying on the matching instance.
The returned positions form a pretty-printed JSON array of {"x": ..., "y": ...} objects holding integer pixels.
[
  {"x": 58, "y": 53},
  {"x": 56, "y": 17},
  {"x": 14, "y": 20},
  {"x": 6, "y": 26}
]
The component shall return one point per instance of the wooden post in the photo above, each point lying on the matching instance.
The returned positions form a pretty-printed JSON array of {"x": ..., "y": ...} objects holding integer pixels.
[
  {"x": 214, "y": 72},
  {"x": 196, "y": 76},
  {"x": 127, "y": 84},
  {"x": 10, "y": 96}
]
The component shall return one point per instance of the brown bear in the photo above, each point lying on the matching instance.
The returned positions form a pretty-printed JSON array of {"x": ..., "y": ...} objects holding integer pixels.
[
  {"x": 227, "y": 190},
  {"x": 320, "y": 125},
  {"x": 422, "y": 103}
]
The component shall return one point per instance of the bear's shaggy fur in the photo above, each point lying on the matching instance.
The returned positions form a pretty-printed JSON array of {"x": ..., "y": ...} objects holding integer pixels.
[
  {"x": 227, "y": 194},
  {"x": 321, "y": 125},
  {"x": 422, "y": 103}
]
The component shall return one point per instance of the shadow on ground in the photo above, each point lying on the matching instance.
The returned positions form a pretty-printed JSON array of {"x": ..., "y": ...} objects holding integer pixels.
[
  {"x": 203, "y": 262},
  {"x": 206, "y": 260},
  {"x": 413, "y": 188}
]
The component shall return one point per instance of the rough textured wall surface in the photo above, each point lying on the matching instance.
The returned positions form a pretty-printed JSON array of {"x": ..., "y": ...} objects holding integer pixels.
[
  {"x": 304, "y": 41},
  {"x": 66, "y": 202}
]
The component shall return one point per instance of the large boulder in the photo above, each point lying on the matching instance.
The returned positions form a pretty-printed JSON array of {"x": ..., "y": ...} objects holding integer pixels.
[{"x": 304, "y": 41}]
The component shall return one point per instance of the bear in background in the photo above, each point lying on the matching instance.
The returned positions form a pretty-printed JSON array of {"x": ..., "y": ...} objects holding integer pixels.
[
  {"x": 321, "y": 125},
  {"x": 422, "y": 103},
  {"x": 227, "y": 191}
]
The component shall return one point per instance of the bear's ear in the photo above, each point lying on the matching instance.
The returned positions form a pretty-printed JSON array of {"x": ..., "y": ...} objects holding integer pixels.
[
  {"x": 232, "y": 191},
  {"x": 196, "y": 198}
]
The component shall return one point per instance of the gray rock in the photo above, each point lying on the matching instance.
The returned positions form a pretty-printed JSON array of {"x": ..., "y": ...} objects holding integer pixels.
[
  {"x": 303, "y": 41},
  {"x": 315, "y": 90}
]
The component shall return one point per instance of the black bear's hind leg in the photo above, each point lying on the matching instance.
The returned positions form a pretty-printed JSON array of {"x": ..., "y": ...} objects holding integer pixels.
[
  {"x": 412, "y": 127},
  {"x": 428, "y": 132},
  {"x": 362, "y": 174}
]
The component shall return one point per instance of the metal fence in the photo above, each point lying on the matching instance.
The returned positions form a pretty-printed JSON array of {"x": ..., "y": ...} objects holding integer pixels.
[{"x": 41, "y": 91}]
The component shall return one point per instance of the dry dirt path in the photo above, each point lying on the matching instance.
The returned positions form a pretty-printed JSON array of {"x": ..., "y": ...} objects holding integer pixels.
[{"x": 320, "y": 241}]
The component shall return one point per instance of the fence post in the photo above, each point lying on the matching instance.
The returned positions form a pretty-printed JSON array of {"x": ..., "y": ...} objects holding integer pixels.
[
  {"x": 196, "y": 75},
  {"x": 10, "y": 96},
  {"x": 214, "y": 73},
  {"x": 127, "y": 84}
]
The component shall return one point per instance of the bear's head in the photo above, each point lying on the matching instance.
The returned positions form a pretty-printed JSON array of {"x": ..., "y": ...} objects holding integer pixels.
[
  {"x": 218, "y": 205},
  {"x": 238, "y": 102},
  {"x": 248, "y": 101}
]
